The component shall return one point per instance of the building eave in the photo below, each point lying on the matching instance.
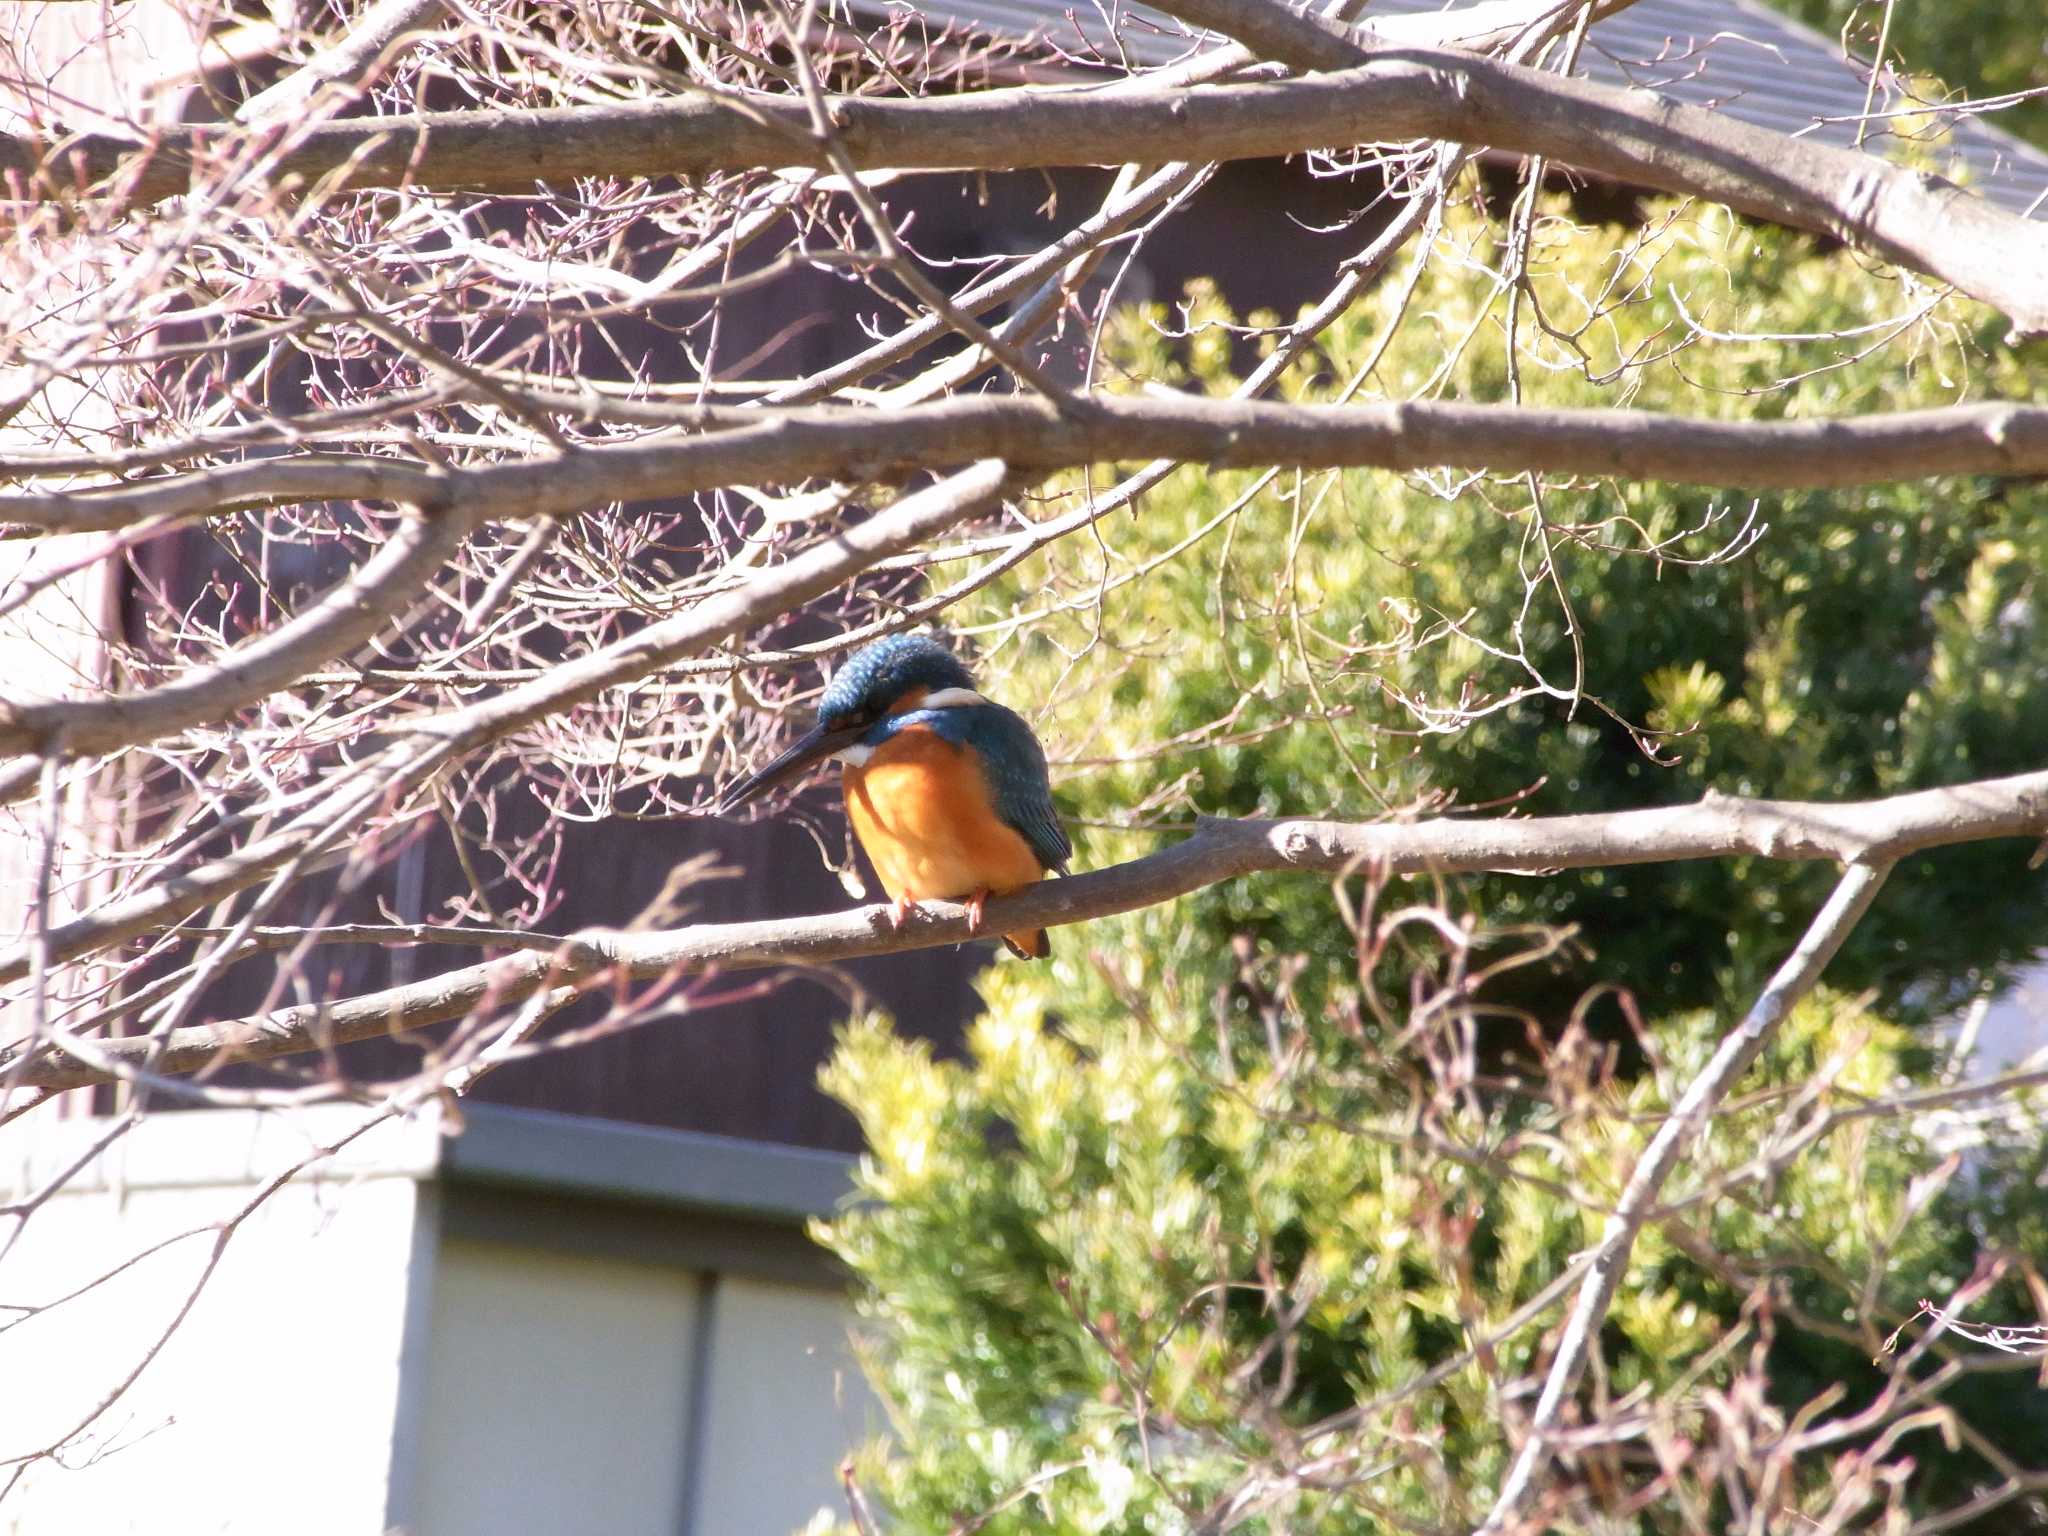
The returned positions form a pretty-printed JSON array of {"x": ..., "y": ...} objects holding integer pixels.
[
  {"x": 536, "y": 1152},
  {"x": 683, "y": 1170}
]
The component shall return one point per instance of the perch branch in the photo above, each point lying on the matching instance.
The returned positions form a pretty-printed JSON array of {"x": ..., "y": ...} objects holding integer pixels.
[
  {"x": 1867, "y": 833},
  {"x": 427, "y": 745}
]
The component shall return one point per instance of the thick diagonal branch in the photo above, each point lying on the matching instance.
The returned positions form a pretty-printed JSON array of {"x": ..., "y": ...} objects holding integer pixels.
[
  {"x": 1911, "y": 218},
  {"x": 340, "y": 620},
  {"x": 1872, "y": 832},
  {"x": 1795, "y": 978}
]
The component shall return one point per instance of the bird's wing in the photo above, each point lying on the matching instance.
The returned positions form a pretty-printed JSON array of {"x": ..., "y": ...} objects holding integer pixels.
[{"x": 1019, "y": 784}]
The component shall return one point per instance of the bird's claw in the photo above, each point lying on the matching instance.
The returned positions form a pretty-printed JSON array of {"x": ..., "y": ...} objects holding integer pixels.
[{"x": 901, "y": 908}]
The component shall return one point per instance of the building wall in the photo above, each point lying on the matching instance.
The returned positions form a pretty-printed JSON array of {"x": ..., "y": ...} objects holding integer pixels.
[
  {"x": 269, "y": 1406},
  {"x": 399, "y": 1341},
  {"x": 787, "y": 1404},
  {"x": 556, "y": 1395},
  {"x": 591, "y": 1393}
]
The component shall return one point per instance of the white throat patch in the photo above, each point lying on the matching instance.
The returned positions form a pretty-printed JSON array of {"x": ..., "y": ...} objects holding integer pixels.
[{"x": 856, "y": 756}]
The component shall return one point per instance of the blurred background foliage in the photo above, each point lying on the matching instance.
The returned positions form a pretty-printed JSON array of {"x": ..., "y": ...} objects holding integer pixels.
[
  {"x": 1972, "y": 48},
  {"x": 1226, "y": 1169},
  {"x": 1130, "y": 1269},
  {"x": 1346, "y": 644}
]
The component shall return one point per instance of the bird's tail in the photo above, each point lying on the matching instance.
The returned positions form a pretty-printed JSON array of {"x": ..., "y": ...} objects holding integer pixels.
[{"x": 1029, "y": 946}]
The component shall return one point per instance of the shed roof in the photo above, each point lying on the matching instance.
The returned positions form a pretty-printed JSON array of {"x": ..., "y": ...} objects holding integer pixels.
[{"x": 1736, "y": 56}]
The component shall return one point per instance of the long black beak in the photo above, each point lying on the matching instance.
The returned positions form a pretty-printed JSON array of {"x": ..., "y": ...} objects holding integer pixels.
[{"x": 813, "y": 747}]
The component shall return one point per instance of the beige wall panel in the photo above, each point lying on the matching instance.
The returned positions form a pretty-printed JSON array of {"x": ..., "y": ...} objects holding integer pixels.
[
  {"x": 269, "y": 1408},
  {"x": 786, "y": 1405},
  {"x": 556, "y": 1396}
]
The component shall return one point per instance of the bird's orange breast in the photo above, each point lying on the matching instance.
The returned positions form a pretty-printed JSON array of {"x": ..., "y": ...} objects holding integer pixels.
[{"x": 921, "y": 809}]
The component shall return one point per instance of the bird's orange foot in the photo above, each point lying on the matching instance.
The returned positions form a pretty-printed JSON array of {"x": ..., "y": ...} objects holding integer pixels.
[
  {"x": 975, "y": 904},
  {"x": 899, "y": 911}
]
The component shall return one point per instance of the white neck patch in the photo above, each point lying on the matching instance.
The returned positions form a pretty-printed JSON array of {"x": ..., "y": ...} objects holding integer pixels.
[{"x": 856, "y": 756}]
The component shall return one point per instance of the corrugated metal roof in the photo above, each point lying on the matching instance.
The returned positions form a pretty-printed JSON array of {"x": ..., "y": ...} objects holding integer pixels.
[{"x": 1736, "y": 56}]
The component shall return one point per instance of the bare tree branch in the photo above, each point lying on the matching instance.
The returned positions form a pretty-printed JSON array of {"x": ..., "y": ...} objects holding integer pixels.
[
  {"x": 1680, "y": 149},
  {"x": 343, "y": 63},
  {"x": 428, "y": 746},
  {"x": 1481, "y": 27},
  {"x": 1867, "y": 833},
  {"x": 1917, "y": 220},
  {"x": 342, "y": 619},
  {"x": 228, "y": 487},
  {"x": 1309, "y": 41},
  {"x": 1795, "y": 978},
  {"x": 767, "y": 448},
  {"x": 1298, "y": 38}
]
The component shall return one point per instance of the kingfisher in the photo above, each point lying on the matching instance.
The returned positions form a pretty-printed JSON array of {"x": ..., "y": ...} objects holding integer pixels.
[{"x": 947, "y": 791}]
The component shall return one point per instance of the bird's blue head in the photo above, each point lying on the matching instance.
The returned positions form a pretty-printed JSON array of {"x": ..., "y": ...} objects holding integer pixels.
[
  {"x": 889, "y": 675},
  {"x": 895, "y": 674}
]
